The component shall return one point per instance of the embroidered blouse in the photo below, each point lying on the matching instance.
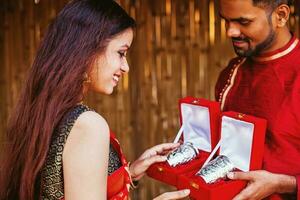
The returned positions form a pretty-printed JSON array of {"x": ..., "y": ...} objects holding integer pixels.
[{"x": 52, "y": 183}]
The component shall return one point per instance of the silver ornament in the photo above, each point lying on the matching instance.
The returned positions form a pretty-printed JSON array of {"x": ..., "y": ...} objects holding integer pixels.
[
  {"x": 216, "y": 169},
  {"x": 183, "y": 154}
]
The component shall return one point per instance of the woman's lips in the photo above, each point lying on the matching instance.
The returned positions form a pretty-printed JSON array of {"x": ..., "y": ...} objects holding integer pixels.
[{"x": 116, "y": 79}]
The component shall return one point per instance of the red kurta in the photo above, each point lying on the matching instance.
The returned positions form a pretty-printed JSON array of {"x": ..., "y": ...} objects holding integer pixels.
[{"x": 269, "y": 87}]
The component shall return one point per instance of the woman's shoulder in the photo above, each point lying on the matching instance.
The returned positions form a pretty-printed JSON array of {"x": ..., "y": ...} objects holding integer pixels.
[
  {"x": 90, "y": 123},
  {"x": 80, "y": 144},
  {"x": 88, "y": 139},
  {"x": 86, "y": 154}
]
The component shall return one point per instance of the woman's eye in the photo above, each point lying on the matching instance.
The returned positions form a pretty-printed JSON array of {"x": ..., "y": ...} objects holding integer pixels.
[{"x": 122, "y": 54}]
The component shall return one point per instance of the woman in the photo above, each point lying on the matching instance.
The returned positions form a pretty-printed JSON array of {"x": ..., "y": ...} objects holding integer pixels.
[{"x": 58, "y": 147}]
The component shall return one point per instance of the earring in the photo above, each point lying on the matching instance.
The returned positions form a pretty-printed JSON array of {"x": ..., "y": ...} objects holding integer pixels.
[{"x": 86, "y": 79}]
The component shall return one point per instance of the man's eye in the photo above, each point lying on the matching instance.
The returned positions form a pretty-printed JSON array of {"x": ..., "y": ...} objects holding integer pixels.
[{"x": 244, "y": 22}]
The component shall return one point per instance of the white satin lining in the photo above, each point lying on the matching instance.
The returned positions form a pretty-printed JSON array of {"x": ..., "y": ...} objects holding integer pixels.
[
  {"x": 236, "y": 142},
  {"x": 196, "y": 122}
]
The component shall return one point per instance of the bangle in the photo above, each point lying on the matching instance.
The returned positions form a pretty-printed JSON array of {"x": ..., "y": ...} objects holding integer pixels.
[{"x": 133, "y": 184}]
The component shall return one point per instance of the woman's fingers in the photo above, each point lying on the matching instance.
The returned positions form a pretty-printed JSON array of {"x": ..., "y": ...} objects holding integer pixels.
[
  {"x": 138, "y": 167},
  {"x": 149, "y": 157},
  {"x": 173, "y": 195},
  {"x": 154, "y": 159},
  {"x": 161, "y": 148},
  {"x": 165, "y": 147}
]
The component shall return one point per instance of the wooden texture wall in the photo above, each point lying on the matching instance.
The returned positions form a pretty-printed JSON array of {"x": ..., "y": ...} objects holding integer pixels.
[{"x": 179, "y": 48}]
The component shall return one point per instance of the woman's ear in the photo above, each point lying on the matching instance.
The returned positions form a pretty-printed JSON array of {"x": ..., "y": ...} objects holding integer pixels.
[{"x": 282, "y": 14}]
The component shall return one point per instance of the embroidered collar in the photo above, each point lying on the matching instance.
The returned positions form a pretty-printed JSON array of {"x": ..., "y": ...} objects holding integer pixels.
[{"x": 289, "y": 47}]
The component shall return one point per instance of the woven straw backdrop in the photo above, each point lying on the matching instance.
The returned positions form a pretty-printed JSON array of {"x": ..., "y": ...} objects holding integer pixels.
[{"x": 179, "y": 48}]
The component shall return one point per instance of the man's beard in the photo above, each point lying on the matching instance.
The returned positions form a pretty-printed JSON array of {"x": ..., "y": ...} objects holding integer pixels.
[{"x": 264, "y": 45}]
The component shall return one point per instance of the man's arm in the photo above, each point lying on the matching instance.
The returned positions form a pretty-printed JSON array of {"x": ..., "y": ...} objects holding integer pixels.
[
  {"x": 262, "y": 184},
  {"x": 298, "y": 188}
]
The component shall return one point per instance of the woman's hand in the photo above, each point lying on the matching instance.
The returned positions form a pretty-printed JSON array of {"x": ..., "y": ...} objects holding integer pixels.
[
  {"x": 155, "y": 154},
  {"x": 173, "y": 195}
]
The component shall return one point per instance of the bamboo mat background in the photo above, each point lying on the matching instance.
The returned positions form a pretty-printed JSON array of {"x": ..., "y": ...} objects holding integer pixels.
[{"x": 179, "y": 48}]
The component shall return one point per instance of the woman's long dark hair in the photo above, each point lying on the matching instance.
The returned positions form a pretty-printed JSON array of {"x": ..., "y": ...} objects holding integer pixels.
[{"x": 54, "y": 86}]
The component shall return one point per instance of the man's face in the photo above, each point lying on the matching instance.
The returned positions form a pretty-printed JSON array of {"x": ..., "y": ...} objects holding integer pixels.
[{"x": 249, "y": 27}]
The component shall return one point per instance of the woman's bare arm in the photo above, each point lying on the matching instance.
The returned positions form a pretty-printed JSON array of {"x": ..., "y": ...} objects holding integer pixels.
[{"x": 85, "y": 158}]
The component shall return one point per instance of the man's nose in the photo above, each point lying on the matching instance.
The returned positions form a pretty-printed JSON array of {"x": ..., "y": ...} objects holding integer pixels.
[{"x": 233, "y": 30}]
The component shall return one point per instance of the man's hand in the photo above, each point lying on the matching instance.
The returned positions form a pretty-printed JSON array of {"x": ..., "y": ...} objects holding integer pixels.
[{"x": 262, "y": 184}]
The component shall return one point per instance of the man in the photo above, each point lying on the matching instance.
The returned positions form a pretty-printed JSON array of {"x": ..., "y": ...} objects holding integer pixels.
[{"x": 264, "y": 81}]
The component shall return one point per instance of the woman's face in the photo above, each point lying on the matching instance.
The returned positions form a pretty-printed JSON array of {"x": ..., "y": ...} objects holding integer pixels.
[{"x": 112, "y": 64}]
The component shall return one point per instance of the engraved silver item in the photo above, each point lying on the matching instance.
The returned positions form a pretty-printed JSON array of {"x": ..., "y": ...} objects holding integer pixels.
[
  {"x": 183, "y": 154},
  {"x": 216, "y": 169}
]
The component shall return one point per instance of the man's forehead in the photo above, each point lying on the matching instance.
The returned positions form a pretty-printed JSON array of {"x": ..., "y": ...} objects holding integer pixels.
[
  {"x": 233, "y": 9},
  {"x": 246, "y": 2}
]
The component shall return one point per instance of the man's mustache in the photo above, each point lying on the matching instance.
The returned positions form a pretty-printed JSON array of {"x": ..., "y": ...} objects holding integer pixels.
[{"x": 240, "y": 39}]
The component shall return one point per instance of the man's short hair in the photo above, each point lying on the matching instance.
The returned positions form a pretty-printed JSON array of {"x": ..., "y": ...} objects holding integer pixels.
[{"x": 271, "y": 4}]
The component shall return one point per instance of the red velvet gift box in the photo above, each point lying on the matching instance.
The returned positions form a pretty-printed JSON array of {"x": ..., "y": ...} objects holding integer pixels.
[
  {"x": 200, "y": 121},
  {"x": 242, "y": 141}
]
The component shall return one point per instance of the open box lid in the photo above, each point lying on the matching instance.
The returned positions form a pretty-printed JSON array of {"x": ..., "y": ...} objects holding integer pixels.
[
  {"x": 200, "y": 122},
  {"x": 242, "y": 140}
]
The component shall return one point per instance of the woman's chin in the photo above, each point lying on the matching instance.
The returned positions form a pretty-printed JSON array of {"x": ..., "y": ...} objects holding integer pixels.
[
  {"x": 108, "y": 91},
  {"x": 105, "y": 91}
]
